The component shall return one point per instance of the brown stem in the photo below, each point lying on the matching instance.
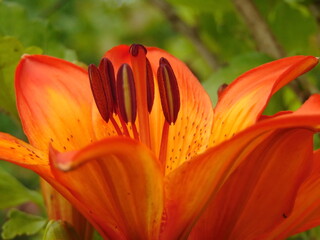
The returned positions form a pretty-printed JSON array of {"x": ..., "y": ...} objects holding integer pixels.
[
  {"x": 190, "y": 32},
  {"x": 265, "y": 40}
]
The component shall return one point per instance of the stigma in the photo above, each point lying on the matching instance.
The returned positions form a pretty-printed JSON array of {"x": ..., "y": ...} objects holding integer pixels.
[{"x": 125, "y": 97}]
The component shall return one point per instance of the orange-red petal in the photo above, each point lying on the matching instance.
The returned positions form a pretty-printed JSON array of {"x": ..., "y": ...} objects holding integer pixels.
[
  {"x": 261, "y": 191},
  {"x": 54, "y": 102},
  {"x": 306, "y": 211},
  {"x": 21, "y": 153},
  {"x": 119, "y": 184},
  {"x": 18, "y": 152},
  {"x": 213, "y": 168},
  {"x": 243, "y": 101}
]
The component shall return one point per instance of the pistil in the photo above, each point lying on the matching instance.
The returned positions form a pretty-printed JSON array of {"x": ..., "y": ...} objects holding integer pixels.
[{"x": 141, "y": 75}]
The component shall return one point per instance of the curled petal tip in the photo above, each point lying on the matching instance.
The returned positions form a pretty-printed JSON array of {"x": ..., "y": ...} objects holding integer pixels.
[
  {"x": 25, "y": 55},
  {"x": 316, "y": 60},
  {"x": 63, "y": 167},
  {"x": 57, "y": 162}
]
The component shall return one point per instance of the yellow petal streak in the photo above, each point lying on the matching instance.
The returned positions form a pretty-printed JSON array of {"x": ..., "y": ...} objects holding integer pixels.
[{"x": 226, "y": 123}]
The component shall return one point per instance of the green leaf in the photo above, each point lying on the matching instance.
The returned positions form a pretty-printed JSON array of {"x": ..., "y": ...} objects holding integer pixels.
[
  {"x": 33, "y": 50},
  {"x": 8, "y": 125},
  {"x": 13, "y": 193},
  {"x": 21, "y": 223},
  {"x": 218, "y": 10},
  {"x": 30, "y": 30},
  {"x": 295, "y": 28},
  {"x": 96, "y": 236},
  {"x": 225, "y": 38},
  {"x": 10, "y": 52},
  {"x": 217, "y": 6}
]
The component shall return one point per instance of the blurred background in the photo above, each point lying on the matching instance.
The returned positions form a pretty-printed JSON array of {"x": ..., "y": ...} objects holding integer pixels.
[{"x": 218, "y": 40}]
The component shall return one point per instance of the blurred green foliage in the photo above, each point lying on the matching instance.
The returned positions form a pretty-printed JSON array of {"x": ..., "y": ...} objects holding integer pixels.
[
  {"x": 80, "y": 30},
  {"x": 13, "y": 193},
  {"x": 21, "y": 223}
]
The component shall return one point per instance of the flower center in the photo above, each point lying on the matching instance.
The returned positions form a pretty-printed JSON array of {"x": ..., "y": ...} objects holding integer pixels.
[{"x": 130, "y": 95}]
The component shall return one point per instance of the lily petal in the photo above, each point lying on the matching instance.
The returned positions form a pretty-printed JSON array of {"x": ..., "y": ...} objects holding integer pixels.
[
  {"x": 189, "y": 135},
  {"x": 54, "y": 102},
  {"x": 242, "y": 102},
  {"x": 213, "y": 168},
  {"x": 305, "y": 214},
  {"x": 270, "y": 176},
  {"x": 21, "y": 153},
  {"x": 119, "y": 183}
]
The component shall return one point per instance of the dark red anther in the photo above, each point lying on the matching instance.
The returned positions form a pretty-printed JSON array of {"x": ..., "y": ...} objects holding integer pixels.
[
  {"x": 221, "y": 89},
  {"x": 108, "y": 78},
  {"x": 150, "y": 86},
  {"x": 126, "y": 93},
  {"x": 134, "y": 49},
  {"x": 98, "y": 91},
  {"x": 169, "y": 91}
]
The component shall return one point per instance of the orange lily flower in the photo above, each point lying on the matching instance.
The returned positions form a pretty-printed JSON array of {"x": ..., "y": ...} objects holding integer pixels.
[{"x": 141, "y": 153}]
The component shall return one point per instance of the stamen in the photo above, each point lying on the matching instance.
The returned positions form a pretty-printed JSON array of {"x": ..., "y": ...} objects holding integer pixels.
[
  {"x": 101, "y": 90},
  {"x": 164, "y": 144},
  {"x": 138, "y": 61},
  {"x": 107, "y": 73},
  {"x": 170, "y": 101},
  {"x": 135, "y": 131},
  {"x": 169, "y": 91},
  {"x": 99, "y": 93},
  {"x": 126, "y": 93},
  {"x": 115, "y": 125},
  {"x": 150, "y": 85}
]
